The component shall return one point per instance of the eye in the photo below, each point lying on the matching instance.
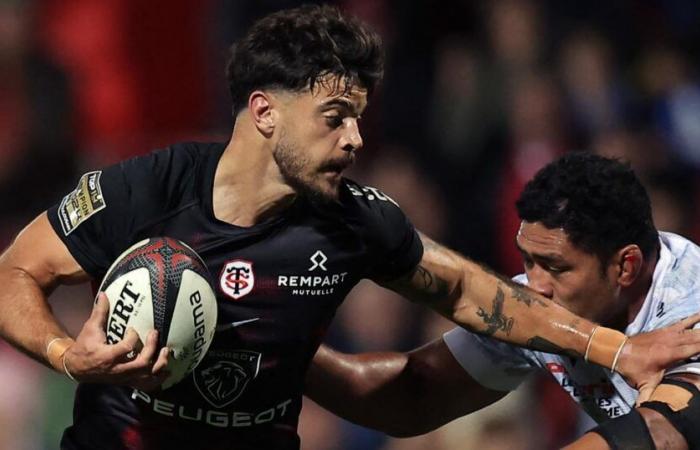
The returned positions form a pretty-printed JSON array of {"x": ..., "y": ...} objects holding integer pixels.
[
  {"x": 555, "y": 269},
  {"x": 527, "y": 262},
  {"x": 334, "y": 121}
]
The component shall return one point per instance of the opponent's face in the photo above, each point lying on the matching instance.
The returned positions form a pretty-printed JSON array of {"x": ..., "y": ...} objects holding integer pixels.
[
  {"x": 319, "y": 136},
  {"x": 568, "y": 275}
]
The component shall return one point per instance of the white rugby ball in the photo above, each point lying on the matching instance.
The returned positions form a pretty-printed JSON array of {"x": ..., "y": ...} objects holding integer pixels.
[{"x": 161, "y": 283}]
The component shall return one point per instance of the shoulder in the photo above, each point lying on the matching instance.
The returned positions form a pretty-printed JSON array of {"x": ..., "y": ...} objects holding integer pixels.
[
  {"x": 676, "y": 274},
  {"x": 355, "y": 195},
  {"x": 377, "y": 221},
  {"x": 371, "y": 212},
  {"x": 172, "y": 161},
  {"x": 170, "y": 172},
  {"x": 367, "y": 195},
  {"x": 675, "y": 290},
  {"x": 367, "y": 205}
]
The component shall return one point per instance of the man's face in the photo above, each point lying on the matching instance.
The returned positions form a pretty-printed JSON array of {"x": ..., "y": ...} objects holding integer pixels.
[
  {"x": 319, "y": 135},
  {"x": 568, "y": 275}
]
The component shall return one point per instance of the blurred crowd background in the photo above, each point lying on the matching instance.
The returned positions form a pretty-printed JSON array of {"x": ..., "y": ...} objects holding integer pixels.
[{"x": 478, "y": 95}]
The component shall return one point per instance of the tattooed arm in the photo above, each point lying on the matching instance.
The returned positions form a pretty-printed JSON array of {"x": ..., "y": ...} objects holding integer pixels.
[{"x": 483, "y": 302}]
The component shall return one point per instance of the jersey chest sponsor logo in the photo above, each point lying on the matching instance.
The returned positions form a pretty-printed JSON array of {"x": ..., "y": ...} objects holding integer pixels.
[
  {"x": 237, "y": 278},
  {"x": 596, "y": 397},
  {"x": 214, "y": 417},
  {"x": 318, "y": 279},
  {"x": 83, "y": 202},
  {"x": 224, "y": 375}
]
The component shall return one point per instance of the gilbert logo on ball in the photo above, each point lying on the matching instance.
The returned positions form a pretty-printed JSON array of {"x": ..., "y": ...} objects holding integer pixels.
[{"x": 161, "y": 283}]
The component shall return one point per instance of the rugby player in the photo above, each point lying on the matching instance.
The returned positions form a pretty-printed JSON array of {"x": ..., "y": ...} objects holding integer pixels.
[
  {"x": 589, "y": 244},
  {"x": 286, "y": 235}
]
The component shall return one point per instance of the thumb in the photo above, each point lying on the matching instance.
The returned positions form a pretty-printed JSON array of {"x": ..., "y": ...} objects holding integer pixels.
[
  {"x": 646, "y": 390},
  {"x": 100, "y": 311}
]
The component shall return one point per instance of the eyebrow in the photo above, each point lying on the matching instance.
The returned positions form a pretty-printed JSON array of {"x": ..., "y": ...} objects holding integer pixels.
[
  {"x": 342, "y": 103},
  {"x": 545, "y": 257}
]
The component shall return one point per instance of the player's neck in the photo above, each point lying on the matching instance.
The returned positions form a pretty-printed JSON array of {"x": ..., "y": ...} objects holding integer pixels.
[{"x": 248, "y": 188}]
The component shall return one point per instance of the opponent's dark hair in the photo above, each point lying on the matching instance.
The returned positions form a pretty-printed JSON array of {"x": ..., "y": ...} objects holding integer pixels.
[
  {"x": 292, "y": 49},
  {"x": 599, "y": 203}
]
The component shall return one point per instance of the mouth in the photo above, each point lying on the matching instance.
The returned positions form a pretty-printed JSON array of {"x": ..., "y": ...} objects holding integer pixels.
[{"x": 338, "y": 166}]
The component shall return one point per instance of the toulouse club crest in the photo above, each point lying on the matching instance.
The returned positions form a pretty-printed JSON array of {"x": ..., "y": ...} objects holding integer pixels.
[{"x": 237, "y": 278}]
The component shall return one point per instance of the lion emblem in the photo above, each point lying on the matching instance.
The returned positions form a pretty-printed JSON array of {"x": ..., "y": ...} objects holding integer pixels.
[{"x": 223, "y": 381}]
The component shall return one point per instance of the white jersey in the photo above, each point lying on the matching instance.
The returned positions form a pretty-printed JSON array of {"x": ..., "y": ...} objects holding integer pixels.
[{"x": 674, "y": 294}]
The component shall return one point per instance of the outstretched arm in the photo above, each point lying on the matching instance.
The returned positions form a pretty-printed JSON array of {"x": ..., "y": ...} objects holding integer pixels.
[
  {"x": 401, "y": 394},
  {"x": 481, "y": 301}
]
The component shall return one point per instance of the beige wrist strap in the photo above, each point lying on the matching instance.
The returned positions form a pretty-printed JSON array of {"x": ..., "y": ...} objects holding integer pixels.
[
  {"x": 55, "y": 352},
  {"x": 604, "y": 347}
]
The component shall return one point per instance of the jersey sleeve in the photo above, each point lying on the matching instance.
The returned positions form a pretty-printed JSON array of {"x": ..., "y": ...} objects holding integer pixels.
[
  {"x": 493, "y": 364},
  {"x": 100, "y": 218},
  {"x": 393, "y": 244}
]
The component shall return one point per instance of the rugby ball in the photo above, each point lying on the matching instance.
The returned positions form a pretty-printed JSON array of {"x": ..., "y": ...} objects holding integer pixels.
[{"x": 161, "y": 283}]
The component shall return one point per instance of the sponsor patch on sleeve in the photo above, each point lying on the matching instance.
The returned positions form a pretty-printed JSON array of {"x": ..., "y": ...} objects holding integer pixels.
[{"x": 83, "y": 202}]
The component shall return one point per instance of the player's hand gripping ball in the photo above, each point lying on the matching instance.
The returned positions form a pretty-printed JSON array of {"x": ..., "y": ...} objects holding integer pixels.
[{"x": 162, "y": 284}]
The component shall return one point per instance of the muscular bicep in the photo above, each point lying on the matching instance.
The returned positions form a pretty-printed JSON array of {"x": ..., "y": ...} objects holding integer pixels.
[{"x": 39, "y": 253}]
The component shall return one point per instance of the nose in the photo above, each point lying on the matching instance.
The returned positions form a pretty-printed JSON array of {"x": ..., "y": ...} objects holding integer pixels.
[
  {"x": 538, "y": 281},
  {"x": 351, "y": 139}
]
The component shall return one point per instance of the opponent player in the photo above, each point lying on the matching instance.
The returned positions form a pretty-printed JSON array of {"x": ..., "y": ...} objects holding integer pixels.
[
  {"x": 286, "y": 236},
  {"x": 588, "y": 243}
]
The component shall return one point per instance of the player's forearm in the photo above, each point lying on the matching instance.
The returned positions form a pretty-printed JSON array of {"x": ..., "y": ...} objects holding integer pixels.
[
  {"x": 361, "y": 388},
  {"x": 402, "y": 394},
  {"x": 498, "y": 307},
  {"x": 26, "y": 320},
  {"x": 484, "y": 302},
  {"x": 30, "y": 268},
  {"x": 481, "y": 301}
]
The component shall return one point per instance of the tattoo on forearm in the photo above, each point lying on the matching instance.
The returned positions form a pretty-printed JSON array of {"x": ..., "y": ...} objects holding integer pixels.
[
  {"x": 427, "y": 279},
  {"x": 432, "y": 287},
  {"x": 496, "y": 320},
  {"x": 521, "y": 294},
  {"x": 544, "y": 345}
]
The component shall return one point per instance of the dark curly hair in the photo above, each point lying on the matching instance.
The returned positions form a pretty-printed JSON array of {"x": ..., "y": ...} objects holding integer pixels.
[
  {"x": 292, "y": 49},
  {"x": 599, "y": 202}
]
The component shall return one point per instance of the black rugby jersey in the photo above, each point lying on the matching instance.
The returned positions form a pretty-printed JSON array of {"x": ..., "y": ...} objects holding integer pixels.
[{"x": 278, "y": 285}]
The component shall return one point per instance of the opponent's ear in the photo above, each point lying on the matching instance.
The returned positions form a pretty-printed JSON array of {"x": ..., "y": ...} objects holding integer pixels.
[
  {"x": 262, "y": 112},
  {"x": 629, "y": 260}
]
